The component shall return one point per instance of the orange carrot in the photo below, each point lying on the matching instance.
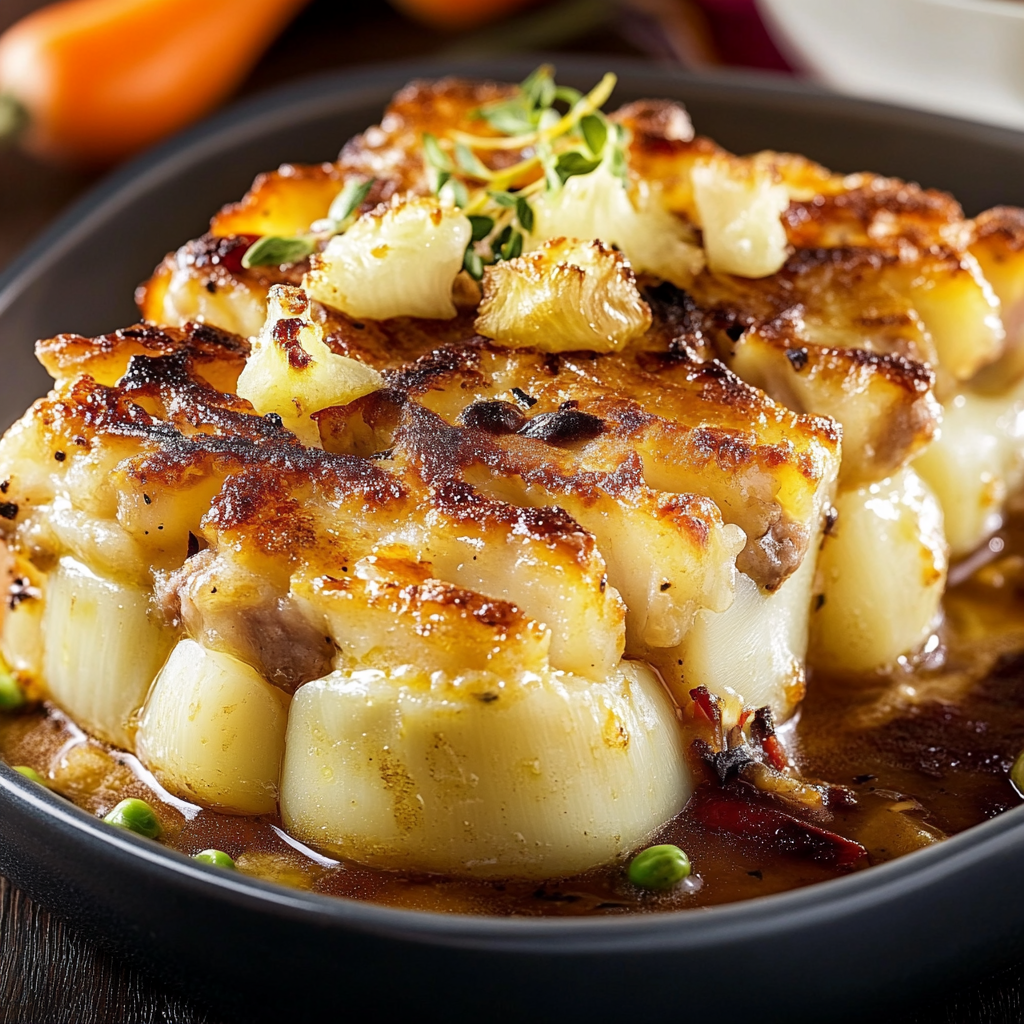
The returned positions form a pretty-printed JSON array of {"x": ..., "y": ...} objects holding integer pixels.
[{"x": 92, "y": 81}]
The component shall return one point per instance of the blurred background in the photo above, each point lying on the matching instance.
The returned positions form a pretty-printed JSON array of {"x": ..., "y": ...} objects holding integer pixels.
[{"x": 86, "y": 83}]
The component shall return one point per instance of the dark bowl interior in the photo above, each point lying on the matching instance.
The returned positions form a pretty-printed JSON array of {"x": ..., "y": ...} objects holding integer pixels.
[{"x": 831, "y": 951}]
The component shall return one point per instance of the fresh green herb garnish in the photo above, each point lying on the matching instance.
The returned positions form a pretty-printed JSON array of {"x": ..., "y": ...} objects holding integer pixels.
[
  {"x": 558, "y": 133},
  {"x": 572, "y": 163},
  {"x": 349, "y": 199},
  {"x": 435, "y": 155},
  {"x": 595, "y": 132},
  {"x": 482, "y": 226},
  {"x": 524, "y": 214},
  {"x": 275, "y": 251}
]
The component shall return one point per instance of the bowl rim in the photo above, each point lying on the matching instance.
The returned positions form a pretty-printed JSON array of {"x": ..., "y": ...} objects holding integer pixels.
[
  {"x": 763, "y": 916},
  {"x": 1002, "y": 9}
]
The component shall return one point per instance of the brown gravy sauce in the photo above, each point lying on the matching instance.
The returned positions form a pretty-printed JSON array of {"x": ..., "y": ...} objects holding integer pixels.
[{"x": 926, "y": 749}]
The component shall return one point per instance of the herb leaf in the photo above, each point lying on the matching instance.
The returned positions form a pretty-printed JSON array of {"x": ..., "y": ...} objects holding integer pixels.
[
  {"x": 274, "y": 251},
  {"x": 538, "y": 87},
  {"x": 524, "y": 214},
  {"x": 455, "y": 191},
  {"x": 595, "y": 133},
  {"x": 618, "y": 163},
  {"x": 435, "y": 155},
  {"x": 573, "y": 163},
  {"x": 506, "y": 199},
  {"x": 349, "y": 199},
  {"x": 441, "y": 180},
  {"x": 510, "y": 117},
  {"x": 472, "y": 263},
  {"x": 482, "y": 226},
  {"x": 469, "y": 162},
  {"x": 513, "y": 247}
]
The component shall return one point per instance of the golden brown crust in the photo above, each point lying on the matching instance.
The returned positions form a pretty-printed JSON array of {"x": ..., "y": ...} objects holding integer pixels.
[
  {"x": 1005, "y": 223},
  {"x": 288, "y": 200},
  {"x": 216, "y": 356},
  {"x": 592, "y": 424},
  {"x": 875, "y": 212}
]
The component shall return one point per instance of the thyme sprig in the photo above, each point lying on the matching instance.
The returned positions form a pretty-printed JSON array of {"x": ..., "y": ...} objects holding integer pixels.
[
  {"x": 275, "y": 250},
  {"x": 559, "y": 133}
]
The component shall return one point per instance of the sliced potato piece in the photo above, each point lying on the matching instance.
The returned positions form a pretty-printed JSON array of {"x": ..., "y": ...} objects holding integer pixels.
[
  {"x": 213, "y": 731},
  {"x": 882, "y": 573},
  {"x": 668, "y": 555},
  {"x": 21, "y": 638},
  {"x": 976, "y": 463},
  {"x": 284, "y": 202},
  {"x": 191, "y": 287},
  {"x": 884, "y": 403},
  {"x": 961, "y": 312},
  {"x": 752, "y": 654},
  {"x": 102, "y": 649},
  {"x": 535, "y": 774},
  {"x": 998, "y": 246}
]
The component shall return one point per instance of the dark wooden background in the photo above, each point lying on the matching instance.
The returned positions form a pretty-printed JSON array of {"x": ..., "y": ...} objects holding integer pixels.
[{"x": 48, "y": 971}]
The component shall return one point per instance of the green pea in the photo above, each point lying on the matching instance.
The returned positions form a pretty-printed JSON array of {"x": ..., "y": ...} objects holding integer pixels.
[
  {"x": 1017, "y": 774},
  {"x": 218, "y": 858},
  {"x": 659, "y": 867},
  {"x": 136, "y": 816},
  {"x": 29, "y": 773},
  {"x": 11, "y": 694}
]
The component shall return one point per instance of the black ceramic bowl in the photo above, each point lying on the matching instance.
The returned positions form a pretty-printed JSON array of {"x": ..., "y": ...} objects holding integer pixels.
[{"x": 820, "y": 953}]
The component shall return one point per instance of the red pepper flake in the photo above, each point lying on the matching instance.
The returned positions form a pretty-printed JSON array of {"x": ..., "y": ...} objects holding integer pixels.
[
  {"x": 707, "y": 704},
  {"x": 721, "y": 811},
  {"x": 774, "y": 752}
]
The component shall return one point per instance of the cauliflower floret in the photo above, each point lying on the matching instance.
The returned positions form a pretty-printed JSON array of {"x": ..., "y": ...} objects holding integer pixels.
[
  {"x": 597, "y": 205},
  {"x": 566, "y": 295},
  {"x": 398, "y": 260},
  {"x": 739, "y": 204},
  {"x": 293, "y": 373}
]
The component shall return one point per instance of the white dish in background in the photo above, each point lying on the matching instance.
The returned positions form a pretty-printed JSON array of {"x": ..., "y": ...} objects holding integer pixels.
[{"x": 959, "y": 57}]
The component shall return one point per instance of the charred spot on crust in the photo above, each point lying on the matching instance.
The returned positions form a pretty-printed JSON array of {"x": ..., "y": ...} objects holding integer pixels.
[
  {"x": 493, "y": 417},
  {"x": 449, "y": 362},
  {"x": 8, "y": 510},
  {"x": 20, "y": 590},
  {"x": 521, "y": 396},
  {"x": 797, "y": 358},
  {"x": 677, "y": 315},
  {"x": 563, "y": 427},
  {"x": 286, "y": 334},
  {"x": 1006, "y": 222}
]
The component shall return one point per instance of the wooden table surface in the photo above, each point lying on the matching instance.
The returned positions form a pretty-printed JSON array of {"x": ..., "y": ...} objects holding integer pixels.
[{"x": 48, "y": 971}]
